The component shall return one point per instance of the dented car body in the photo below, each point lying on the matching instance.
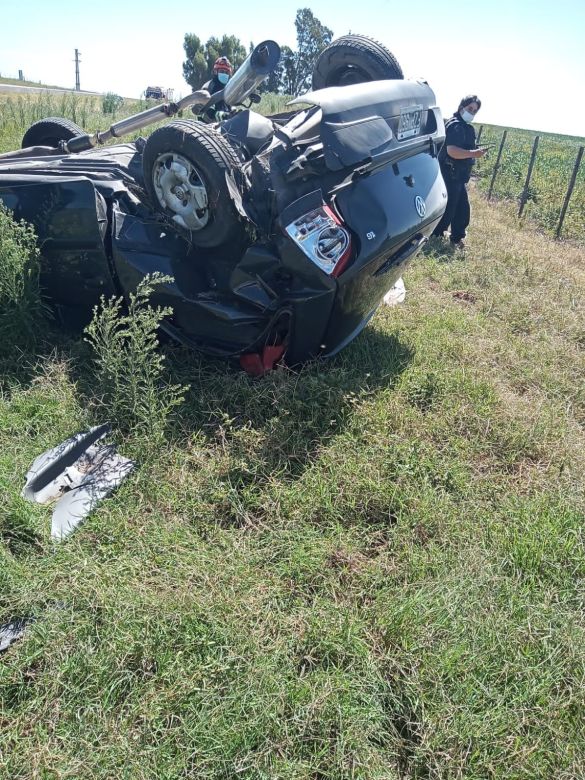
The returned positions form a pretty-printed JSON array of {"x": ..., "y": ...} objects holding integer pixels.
[{"x": 286, "y": 247}]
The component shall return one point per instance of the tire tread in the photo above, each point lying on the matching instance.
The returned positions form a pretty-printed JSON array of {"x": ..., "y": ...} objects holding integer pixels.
[
  {"x": 58, "y": 122},
  {"x": 362, "y": 46}
]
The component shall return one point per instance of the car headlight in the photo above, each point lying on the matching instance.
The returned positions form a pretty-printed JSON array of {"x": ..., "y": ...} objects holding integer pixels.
[{"x": 323, "y": 238}]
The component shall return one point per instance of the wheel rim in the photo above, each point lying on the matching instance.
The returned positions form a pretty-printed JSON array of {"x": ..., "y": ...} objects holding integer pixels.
[
  {"x": 181, "y": 190},
  {"x": 349, "y": 74}
]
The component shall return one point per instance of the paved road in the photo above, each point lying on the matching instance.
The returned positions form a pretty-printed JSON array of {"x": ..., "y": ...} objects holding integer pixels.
[{"x": 9, "y": 89}]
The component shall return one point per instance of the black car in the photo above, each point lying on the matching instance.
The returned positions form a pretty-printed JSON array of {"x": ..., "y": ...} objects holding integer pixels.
[{"x": 282, "y": 233}]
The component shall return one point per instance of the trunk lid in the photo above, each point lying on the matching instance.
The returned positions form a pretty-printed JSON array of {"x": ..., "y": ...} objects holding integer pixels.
[
  {"x": 366, "y": 123},
  {"x": 389, "y": 133}
]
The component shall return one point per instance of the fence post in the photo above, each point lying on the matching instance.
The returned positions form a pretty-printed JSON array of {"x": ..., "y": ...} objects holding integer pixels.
[
  {"x": 480, "y": 131},
  {"x": 570, "y": 190},
  {"x": 497, "y": 165},
  {"x": 528, "y": 175}
]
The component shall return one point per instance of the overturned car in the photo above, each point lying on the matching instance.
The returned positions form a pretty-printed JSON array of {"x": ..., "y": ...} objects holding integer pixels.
[{"x": 281, "y": 233}]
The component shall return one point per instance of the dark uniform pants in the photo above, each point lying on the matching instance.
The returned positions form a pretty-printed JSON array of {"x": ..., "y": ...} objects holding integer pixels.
[{"x": 457, "y": 214}]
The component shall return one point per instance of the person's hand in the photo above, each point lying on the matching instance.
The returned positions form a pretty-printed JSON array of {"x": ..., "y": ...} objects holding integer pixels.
[{"x": 481, "y": 152}]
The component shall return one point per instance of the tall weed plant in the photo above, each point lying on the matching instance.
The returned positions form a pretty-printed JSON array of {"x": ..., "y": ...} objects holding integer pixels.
[
  {"x": 130, "y": 376},
  {"x": 20, "y": 301},
  {"x": 111, "y": 103}
]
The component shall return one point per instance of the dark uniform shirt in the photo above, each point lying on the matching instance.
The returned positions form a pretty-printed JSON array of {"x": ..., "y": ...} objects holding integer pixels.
[
  {"x": 462, "y": 134},
  {"x": 212, "y": 87}
]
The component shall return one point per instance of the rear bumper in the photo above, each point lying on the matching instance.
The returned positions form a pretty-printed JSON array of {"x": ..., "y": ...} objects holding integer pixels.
[{"x": 391, "y": 215}]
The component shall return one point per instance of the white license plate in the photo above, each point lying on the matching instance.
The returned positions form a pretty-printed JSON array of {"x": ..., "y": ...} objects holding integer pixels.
[{"x": 409, "y": 122}]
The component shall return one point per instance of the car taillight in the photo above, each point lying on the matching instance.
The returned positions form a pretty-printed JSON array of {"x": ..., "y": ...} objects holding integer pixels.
[{"x": 323, "y": 238}]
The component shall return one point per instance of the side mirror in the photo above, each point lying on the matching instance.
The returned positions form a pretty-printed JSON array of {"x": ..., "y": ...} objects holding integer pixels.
[{"x": 254, "y": 98}]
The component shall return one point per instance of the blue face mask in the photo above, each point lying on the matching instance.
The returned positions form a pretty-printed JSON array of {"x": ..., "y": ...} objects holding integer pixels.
[{"x": 223, "y": 78}]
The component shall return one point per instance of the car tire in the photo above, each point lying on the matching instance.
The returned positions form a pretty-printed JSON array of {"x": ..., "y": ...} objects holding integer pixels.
[
  {"x": 354, "y": 59},
  {"x": 186, "y": 166},
  {"x": 50, "y": 131}
]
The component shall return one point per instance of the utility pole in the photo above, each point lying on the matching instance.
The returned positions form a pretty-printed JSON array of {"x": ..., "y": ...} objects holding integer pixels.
[{"x": 77, "y": 53}]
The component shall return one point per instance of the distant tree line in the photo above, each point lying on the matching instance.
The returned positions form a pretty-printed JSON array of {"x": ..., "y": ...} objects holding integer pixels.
[{"x": 293, "y": 74}]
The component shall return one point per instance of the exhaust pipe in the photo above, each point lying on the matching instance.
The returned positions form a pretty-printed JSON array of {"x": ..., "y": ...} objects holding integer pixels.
[
  {"x": 257, "y": 66},
  {"x": 135, "y": 122}
]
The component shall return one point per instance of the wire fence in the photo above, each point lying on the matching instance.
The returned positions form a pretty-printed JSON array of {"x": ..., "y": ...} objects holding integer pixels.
[{"x": 543, "y": 174}]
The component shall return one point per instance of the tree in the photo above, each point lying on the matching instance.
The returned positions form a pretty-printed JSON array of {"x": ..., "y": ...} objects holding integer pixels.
[
  {"x": 293, "y": 73},
  {"x": 312, "y": 38},
  {"x": 287, "y": 70},
  {"x": 200, "y": 57},
  {"x": 195, "y": 64},
  {"x": 228, "y": 46}
]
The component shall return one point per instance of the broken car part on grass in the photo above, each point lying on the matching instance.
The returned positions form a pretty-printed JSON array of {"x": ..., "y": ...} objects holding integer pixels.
[
  {"x": 78, "y": 474},
  {"x": 12, "y": 630}
]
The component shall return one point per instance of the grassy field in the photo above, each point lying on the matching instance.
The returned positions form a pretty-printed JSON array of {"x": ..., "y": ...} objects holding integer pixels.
[
  {"x": 18, "y": 112},
  {"x": 550, "y": 178},
  {"x": 368, "y": 569},
  {"x": 371, "y": 568}
]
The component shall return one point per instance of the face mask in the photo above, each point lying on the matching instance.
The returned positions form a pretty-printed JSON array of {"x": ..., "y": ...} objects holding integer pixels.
[
  {"x": 466, "y": 116},
  {"x": 223, "y": 78}
]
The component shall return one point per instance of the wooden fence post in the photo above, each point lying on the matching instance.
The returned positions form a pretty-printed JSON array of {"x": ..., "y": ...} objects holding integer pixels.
[
  {"x": 528, "y": 175},
  {"x": 570, "y": 190},
  {"x": 497, "y": 165}
]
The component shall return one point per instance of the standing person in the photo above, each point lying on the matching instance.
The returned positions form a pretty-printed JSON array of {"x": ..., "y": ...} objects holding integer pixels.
[
  {"x": 456, "y": 158},
  {"x": 221, "y": 74}
]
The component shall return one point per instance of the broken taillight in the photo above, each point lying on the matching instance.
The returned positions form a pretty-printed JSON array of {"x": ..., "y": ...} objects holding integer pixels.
[{"x": 323, "y": 238}]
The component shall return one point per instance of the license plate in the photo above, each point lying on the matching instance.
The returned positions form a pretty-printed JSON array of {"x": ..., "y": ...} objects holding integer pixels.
[{"x": 409, "y": 122}]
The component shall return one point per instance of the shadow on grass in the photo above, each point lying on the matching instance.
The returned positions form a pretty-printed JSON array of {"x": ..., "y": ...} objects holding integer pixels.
[
  {"x": 58, "y": 331},
  {"x": 442, "y": 250},
  {"x": 16, "y": 531},
  {"x": 278, "y": 423}
]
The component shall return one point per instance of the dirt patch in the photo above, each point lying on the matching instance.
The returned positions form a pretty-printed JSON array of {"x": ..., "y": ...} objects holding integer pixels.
[{"x": 464, "y": 295}]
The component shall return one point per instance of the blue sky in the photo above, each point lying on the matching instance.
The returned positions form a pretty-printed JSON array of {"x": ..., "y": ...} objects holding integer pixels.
[{"x": 526, "y": 60}]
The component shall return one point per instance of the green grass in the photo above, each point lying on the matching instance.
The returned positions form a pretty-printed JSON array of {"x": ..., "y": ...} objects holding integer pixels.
[
  {"x": 18, "y": 112},
  {"x": 20, "y": 301},
  {"x": 554, "y": 163},
  {"x": 371, "y": 568}
]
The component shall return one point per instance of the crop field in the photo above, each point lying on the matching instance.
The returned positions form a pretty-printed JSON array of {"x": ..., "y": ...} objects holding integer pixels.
[
  {"x": 552, "y": 170},
  {"x": 370, "y": 568},
  {"x": 18, "y": 112}
]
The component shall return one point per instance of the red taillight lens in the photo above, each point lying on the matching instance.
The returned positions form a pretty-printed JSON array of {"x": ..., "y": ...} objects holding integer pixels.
[{"x": 323, "y": 238}]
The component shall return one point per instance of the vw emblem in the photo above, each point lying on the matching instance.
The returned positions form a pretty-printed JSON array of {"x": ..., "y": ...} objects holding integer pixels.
[{"x": 420, "y": 206}]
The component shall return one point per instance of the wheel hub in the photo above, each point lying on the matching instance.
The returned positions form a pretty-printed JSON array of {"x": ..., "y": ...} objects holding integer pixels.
[{"x": 180, "y": 190}]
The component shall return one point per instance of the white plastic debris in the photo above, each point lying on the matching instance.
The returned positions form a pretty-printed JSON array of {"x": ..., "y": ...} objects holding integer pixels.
[
  {"x": 10, "y": 632},
  {"x": 396, "y": 294},
  {"x": 77, "y": 473}
]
